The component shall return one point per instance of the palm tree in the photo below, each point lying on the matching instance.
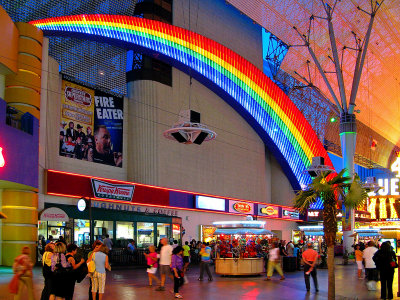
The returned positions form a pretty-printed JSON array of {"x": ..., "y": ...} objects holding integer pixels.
[{"x": 330, "y": 187}]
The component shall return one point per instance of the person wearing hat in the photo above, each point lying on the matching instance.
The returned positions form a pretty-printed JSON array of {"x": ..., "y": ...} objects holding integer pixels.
[{"x": 80, "y": 133}]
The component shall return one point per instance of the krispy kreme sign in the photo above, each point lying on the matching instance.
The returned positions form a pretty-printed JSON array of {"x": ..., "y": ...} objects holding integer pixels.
[
  {"x": 241, "y": 207},
  {"x": 102, "y": 189}
]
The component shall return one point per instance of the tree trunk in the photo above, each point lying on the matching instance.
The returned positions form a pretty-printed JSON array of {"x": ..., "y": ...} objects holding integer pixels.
[{"x": 331, "y": 272}]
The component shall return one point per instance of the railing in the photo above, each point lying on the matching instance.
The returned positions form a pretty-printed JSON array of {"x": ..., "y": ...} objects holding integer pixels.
[{"x": 19, "y": 120}]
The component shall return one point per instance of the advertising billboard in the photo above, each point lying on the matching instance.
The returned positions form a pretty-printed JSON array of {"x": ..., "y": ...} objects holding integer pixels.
[
  {"x": 91, "y": 126},
  {"x": 241, "y": 207}
]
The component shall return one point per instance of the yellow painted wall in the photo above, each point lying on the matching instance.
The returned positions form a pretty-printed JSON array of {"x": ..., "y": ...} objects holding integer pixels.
[{"x": 9, "y": 44}]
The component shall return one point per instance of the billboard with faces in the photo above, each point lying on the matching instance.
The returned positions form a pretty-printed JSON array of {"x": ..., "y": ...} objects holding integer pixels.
[{"x": 91, "y": 126}]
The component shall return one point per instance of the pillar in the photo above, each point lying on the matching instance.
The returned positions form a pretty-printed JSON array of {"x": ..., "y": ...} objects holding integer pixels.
[
  {"x": 348, "y": 134},
  {"x": 20, "y": 227},
  {"x": 22, "y": 89}
]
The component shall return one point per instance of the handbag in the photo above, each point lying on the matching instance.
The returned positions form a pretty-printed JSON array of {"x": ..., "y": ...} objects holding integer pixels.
[
  {"x": 393, "y": 264},
  {"x": 81, "y": 272},
  {"x": 91, "y": 265}
]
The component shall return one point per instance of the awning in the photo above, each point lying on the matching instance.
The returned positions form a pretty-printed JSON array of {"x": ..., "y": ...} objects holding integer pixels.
[
  {"x": 314, "y": 233},
  {"x": 243, "y": 231},
  {"x": 369, "y": 234},
  {"x": 54, "y": 214}
]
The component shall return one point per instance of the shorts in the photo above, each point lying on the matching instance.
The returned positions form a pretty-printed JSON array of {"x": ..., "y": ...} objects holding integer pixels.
[
  {"x": 98, "y": 282},
  {"x": 152, "y": 270},
  {"x": 165, "y": 270},
  {"x": 359, "y": 265},
  {"x": 186, "y": 259}
]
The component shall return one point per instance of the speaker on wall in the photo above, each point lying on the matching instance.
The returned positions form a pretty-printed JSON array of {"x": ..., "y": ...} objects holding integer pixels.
[
  {"x": 179, "y": 137},
  {"x": 200, "y": 138}
]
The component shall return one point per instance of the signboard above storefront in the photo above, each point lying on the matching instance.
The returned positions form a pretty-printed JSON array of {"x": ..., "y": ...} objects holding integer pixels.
[
  {"x": 106, "y": 190},
  {"x": 212, "y": 203},
  {"x": 316, "y": 215},
  {"x": 54, "y": 214},
  {"x": 289, "y": 213},
  {"x": 239, "y": 207},
  {"x": 271, "y": 211}
]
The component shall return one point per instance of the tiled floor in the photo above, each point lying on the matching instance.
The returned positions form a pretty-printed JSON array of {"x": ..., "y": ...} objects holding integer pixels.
[{"x": 132, "y": 284}]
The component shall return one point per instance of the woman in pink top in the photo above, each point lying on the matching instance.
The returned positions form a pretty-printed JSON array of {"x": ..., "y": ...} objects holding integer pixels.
[{"x": 152, "y": 265}]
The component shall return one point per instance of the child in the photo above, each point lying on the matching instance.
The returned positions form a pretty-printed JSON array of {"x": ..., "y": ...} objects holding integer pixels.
[
  {"x": 152, "y": 264},
  {"x": 177, "y": 269}
]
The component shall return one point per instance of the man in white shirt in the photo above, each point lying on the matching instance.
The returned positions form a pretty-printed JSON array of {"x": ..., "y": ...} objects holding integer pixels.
[
  {"x": 165, "y": 262},
  {"x": 370, "y": 268}
]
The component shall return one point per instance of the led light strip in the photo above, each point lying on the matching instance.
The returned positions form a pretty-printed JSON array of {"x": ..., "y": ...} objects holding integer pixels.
[{"x": 273, "y": 115}]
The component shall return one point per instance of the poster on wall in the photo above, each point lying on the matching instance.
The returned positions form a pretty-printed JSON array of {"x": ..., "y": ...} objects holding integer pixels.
[
  {"x": 290, "y": 213},
  {"x": 91, "y": 126}
]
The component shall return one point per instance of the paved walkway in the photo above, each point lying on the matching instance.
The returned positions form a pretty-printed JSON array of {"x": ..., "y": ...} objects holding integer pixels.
[{"x": 132, "y": 284}]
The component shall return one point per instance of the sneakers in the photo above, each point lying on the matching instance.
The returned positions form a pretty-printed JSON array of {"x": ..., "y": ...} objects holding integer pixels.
[
  {"x": 200, "y": 279},
  {"x": 160, "y": 288},
  {"x": 267, "y": 279},
  {"x": 282, "y": 278},
  {"x": 178, "y": 296},
  {"x": 210, "y": 279}
]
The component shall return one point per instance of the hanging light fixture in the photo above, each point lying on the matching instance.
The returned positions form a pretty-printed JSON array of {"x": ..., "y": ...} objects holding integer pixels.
[{"x": 188, "y": 129}]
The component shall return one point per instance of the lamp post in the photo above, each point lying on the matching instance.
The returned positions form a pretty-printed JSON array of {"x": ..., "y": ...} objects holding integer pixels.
[{"x": 83, "y": 204}]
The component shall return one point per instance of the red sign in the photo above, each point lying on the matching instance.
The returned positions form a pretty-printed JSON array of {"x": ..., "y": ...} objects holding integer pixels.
[
  {"x": 241, "y": 207},
  {"x": 78, "y": 96},
  {"x": 176, "y": 227},
  {"x": 2, "y": 161}
]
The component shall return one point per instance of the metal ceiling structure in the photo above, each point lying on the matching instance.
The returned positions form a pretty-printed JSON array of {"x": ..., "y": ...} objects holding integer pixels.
[{"x": 378, "y": 98}]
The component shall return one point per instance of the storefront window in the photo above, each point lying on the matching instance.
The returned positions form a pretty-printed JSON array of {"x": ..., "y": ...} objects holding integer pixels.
[
  {"x": 42, "y": 229},
  {"x": 125, "y": 232},
  {"x": 163, "y": 231},
  {"x": 81, "y": 232},
  {"x": 101, "y": 228},
  {"x": 176, "y": 232},
  {"x": 145, "y": 234}
]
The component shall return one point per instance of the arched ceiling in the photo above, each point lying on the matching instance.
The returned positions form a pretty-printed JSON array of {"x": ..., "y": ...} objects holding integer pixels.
[{"x": 378, "y": 97}]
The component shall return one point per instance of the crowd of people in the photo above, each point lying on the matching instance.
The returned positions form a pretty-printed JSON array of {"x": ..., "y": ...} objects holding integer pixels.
[
  {"x": 378, "y": 264},
  {"x": 63, "y": 267}
]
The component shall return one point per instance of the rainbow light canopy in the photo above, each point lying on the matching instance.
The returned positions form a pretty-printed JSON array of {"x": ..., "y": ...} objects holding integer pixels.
[{"x": 255, "y": 97}]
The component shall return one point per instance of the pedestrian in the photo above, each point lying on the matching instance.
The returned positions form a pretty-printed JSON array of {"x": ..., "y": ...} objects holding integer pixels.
[
  {"x": 59, "y": 268},
  {"x": 205, "y": 255},
  {"x": 50, "y": 239},
  {"x": 47, "y": 274},
  {"x": 370, "y": 267},
  {"x": 186, "y": 260},
  {"x": 290, "y": 248},
  {"x": 99, "y": 276},
  {"x": 165, "y": 262},
  {"x": 274, "y": 262},
  {"x": 72, "y": 249},
  {"x": 95, "y": 249},
  {"x": 175, "y": 244},
  {"x": 62, "y": 240},
  {"x": 152, "y": 264},
  {"x": 310, "y": 257},
  {"x": 385, "y": 261},
  {"x": 108, "y": 243},
  {"x": 359, "y": 261},
  {"x": 282, "y": 248},
  {"x": 177, "y": 268},
  {"x": 22, "y": 269}
]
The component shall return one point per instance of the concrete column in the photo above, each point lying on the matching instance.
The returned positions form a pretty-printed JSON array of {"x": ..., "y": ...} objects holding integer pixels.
[{"x": 20, "y": 227}]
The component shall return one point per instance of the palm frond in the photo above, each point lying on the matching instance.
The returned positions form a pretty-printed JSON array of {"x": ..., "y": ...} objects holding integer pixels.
[
  {"x": 304, "y": 199},
  {"x": 356, "y": 194}
]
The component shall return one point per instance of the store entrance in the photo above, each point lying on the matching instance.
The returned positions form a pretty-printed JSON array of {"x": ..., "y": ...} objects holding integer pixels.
[{"x": 57, "y": 231}]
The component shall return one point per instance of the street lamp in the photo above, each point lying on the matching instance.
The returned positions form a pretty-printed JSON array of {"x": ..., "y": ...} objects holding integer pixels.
[{"x": 82, "y": 205}]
